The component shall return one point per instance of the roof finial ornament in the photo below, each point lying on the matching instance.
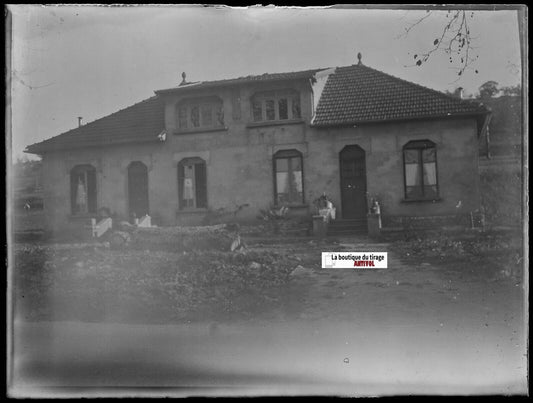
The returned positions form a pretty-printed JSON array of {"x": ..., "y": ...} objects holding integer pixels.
[
  {"x": 183, "y": 76},
  {"x": 359, "y": 57}
]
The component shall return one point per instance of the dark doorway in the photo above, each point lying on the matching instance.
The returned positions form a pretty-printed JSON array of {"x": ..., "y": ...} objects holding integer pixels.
[
  {"x": 353, "y": 182},
  {"x": 137, "y": 189}
]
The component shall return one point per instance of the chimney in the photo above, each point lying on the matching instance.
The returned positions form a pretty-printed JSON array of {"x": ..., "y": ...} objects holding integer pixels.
[
  {"x": 79, "y": 120},
  {"x": 460, "y": 92}
]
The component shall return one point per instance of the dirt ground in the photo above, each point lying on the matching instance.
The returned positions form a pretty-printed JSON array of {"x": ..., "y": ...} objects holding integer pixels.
[{"x": 417, "y": 327}]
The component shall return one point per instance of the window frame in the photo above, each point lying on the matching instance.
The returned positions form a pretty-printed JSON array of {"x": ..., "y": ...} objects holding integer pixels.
[
  {"x": 287, "y": 154},
  {"x": 420, "y": 146},
  {"x": 195, "y": 161},
  {"x": 214, "y": 104},
  {"x": 264, "y": 97},
  {"x": 91, "y": 190}
]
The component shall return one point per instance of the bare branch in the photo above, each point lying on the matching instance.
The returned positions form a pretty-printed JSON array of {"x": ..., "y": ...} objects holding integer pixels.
[
  {"x": 454, "y": 40},
  {"x": 408, "y": 29},
  {"x": 31, "y": 87}
]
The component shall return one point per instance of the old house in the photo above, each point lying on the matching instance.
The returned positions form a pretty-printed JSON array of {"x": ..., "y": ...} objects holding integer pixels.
[{"x": 284, "y": 139}]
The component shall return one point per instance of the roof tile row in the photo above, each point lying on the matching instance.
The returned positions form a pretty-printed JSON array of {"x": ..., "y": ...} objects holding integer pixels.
[{"x": 357, "y": 93}]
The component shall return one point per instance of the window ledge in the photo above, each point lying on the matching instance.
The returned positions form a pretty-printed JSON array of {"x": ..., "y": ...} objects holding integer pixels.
[
  {"x": 192, "y": 211},
  {"x": 275, "y": 123},
  {"x": 297, "y": 206},
  {"x": 434, "y": 200},
  {"x": 81, "y": 216},
  {"x": 202, "y": 130}
]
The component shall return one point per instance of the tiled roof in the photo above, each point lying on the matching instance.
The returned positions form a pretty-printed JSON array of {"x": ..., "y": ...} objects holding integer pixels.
[
  {"x": 352, "y": 94},
  {"x": 141, "y": 122},
  {"x": 358, "y": 94},
  {"x": 295, "y": 75}
]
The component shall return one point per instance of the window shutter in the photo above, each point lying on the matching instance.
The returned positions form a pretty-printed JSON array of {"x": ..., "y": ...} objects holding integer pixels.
[
  {"x": 181, "y": 175},
  {"x": 201, "y": 185}
]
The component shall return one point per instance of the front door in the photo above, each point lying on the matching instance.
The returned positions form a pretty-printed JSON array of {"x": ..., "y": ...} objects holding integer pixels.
[
  {"x": 137, "y": 189},
  {"x": 353, "y": 182}
]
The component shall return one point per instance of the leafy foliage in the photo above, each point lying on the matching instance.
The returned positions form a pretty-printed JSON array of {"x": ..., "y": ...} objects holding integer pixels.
[
  {"x": 514, "y": 90},
  {"x": 94, "y": 284},
  {"x": 178, "y": 239},
  {"x": 488, "y": 89},
  {"x": 487, "y": 255},
  {"x": 501, "y": 197},
  {"x": 222, "y": 214}
]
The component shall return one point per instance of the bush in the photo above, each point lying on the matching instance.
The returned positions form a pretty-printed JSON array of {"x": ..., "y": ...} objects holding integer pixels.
[
  {"x": 435, "y": 244},
  {"x": 501, "y": 197},
  {"x": 223, "y": 283},
  {"x": 179, "y": 239},
  {"x": 132, "y": 286}
]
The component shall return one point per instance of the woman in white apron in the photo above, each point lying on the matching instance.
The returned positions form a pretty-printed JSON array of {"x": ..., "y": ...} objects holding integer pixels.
[{"x": 81, "y": 197}]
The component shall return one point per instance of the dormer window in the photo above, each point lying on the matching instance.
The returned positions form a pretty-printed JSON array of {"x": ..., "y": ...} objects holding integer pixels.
[
  {"x": 276, "y": 106},
  {"x": 202, "y": 113}
]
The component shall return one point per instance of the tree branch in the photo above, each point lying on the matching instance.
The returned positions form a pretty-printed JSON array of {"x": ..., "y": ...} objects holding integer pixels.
[{"x": 454, "y": 40}]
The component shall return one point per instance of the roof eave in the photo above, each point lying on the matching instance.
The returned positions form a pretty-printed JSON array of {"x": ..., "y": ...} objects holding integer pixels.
[
  {"x": 402, "y": 119},
  {"x": 44, "y": 149}
]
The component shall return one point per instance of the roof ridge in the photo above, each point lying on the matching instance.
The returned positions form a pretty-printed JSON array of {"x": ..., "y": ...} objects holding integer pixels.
[
  {"x": 265, "y": 74},
  {"x": 249, "y": 77}
]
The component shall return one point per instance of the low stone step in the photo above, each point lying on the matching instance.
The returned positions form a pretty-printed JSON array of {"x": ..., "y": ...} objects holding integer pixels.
[
  {"x": 348, "y": 221},
  {"x": 339, "y": 231},
  {"x": 362, "y": 224},
  {"x": 349, "y": 226}
]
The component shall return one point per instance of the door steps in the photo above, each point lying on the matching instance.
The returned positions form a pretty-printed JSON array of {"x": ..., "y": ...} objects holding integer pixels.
[{"x": 350, "y": 226}]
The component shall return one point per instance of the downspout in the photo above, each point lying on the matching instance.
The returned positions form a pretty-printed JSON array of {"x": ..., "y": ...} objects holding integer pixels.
[
  {"x": 312, "y": 80},
  {"x": 485, "y": 130},
  {"x": 488, "y": 142}
]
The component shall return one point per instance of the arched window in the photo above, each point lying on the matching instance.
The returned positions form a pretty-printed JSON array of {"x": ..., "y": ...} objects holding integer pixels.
[
  {"x": 200, "y": 113},
  {"x": 420, "y": 170},
  {"x": 288, "y": 177},
  {"x": 276, "y": 106},
  {"x": 192, "y": 183},
  {"x": 83, "y": 190}
]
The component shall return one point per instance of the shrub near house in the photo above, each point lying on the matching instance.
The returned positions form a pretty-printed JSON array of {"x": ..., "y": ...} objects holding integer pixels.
[{"x": 92, "y": 284}]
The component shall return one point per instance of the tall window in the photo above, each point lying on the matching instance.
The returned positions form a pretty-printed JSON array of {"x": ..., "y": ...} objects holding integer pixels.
[
  {"x": 200, "y": 113},
  {"x": 420, "y": 169},
  {"x": 83, "y": 190},
  {"x": 276, "y": 105},
  {"x": 288, "y": 176},
  {"x": 192, "y": 183}
]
